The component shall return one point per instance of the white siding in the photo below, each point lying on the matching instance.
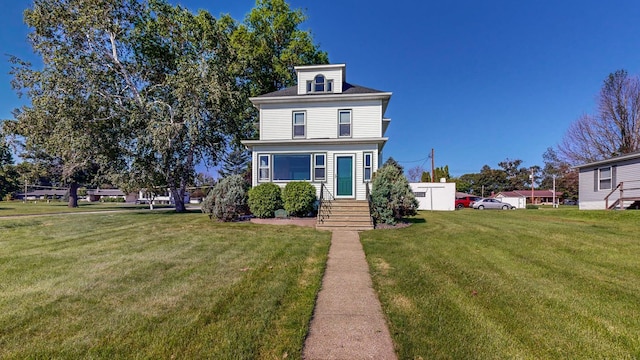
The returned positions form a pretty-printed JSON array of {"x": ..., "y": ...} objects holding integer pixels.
[
  {"x": 331, "y": 151},
  {"x": 518, "y": 202},
  {"x": 438, "y": 196},
  {"x": 321, "y": 119},
  {"x": 625, "y": 171},
  {"x": 330, "y": 74}
]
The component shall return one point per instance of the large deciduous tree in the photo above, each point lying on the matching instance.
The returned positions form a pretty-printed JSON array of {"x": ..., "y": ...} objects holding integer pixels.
[
  {"x": 190, "y": 97},
  {"x": 613, "y": 130},
  {"x": 8, "y": 174},
  {"x": 74, "y": 116},
  {"x": 145, "y": 92},
  {"x": 518, "y": 177},
  {"x": 566, "y": 177},
  {"x": 270, "y": 43}
]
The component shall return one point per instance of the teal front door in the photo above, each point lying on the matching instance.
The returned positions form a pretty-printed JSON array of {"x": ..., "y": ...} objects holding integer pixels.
[{"x": 344, "y": 178}]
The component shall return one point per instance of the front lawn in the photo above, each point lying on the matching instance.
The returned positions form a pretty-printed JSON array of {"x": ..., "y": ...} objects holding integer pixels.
[
  {"x": 155, "y": 286},
  {"x": 16, "y": 207},
  {"x": 526, "y": 284}
]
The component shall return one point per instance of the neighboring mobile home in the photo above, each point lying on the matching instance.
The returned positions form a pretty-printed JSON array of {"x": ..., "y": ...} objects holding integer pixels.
[
  {"x": 610, "y": 184},
  {"x": 324, "y": 131},
  {"x": 110, "y": 195}
]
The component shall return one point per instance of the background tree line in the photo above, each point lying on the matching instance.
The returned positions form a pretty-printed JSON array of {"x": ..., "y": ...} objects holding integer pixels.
[
  {"x": 138, "y": 93},
  {"x": 613, "y": 130},
  {"x": 510, "y": 175}
]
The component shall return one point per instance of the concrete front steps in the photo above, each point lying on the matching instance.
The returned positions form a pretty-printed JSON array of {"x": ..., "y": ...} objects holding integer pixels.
[{"x": 344, "y": 215}]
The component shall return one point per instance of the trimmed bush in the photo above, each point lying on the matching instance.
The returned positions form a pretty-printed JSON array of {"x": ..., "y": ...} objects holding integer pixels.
[
  {"x": 532, "y": 207},
  {"x": 227, "y": 200},
  {"x": 391, "y": 195},
  {"x": 299, "y": 198},
  {"x": 112, "y": 199},
  {"x": 265, "y": 199}
]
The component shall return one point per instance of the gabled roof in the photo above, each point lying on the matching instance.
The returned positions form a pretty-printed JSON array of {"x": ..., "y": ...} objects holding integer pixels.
[
  {"x": 629, "y": 156},
  {"x": 47, "y": 192},
  {"x": 347, "y": 89}
]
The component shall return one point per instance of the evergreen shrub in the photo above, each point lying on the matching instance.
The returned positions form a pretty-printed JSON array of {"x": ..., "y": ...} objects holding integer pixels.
[
  {"x": 227, "y": 200},
  {"x": 299, "y": 198},
  {"x": 391, "y": 195},
  {"x": 265, "y": 199}
]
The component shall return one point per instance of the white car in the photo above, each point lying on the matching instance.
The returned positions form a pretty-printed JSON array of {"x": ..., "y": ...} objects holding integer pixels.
[{"x": 488, "y": 203}]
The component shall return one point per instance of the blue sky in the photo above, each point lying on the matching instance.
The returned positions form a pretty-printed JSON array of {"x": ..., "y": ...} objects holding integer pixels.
[{"x": 478, "y": 81}]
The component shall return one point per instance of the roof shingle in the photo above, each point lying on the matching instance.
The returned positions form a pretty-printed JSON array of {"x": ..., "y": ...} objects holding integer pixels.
[{"x": 346, "y": 90}]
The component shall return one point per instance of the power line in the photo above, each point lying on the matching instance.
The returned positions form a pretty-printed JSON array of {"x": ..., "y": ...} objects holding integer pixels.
[{"x": 414, "y": 161}]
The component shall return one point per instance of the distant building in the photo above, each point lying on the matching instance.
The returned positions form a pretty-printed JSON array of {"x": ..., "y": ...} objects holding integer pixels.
[
  {"x": 112, "y": 194},
  {"x": 519, "y": 198},
  {"x": 46, "y": 194},
  {"x": 610, "y": 184}
]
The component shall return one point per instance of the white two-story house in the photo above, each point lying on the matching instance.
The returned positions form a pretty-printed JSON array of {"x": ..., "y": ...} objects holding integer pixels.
[{"x": 324, "y": 131}]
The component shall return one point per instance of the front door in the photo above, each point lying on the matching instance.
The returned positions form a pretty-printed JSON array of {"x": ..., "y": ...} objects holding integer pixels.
[{"x": 344, "y": 176}]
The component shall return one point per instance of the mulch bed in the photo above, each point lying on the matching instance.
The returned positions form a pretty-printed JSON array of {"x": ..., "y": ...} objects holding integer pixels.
[
  {"x": 398, "y": 225},
  {"x": 310, "y": 222}
]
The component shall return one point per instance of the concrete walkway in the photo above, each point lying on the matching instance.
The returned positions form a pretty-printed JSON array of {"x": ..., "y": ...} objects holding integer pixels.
[{"x": 347, "y": 321}]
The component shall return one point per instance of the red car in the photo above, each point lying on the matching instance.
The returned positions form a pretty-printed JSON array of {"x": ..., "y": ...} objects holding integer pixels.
[{"x": 465, "y": 201}]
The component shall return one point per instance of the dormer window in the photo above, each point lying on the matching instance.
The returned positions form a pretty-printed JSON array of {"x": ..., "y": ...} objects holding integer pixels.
[{"x": 320, "y": 84}]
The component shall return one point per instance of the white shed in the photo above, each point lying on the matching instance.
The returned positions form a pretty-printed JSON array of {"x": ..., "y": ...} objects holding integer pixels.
[
  {"x": 513, "y": 198},
  {"x": 435, "y": 196}
]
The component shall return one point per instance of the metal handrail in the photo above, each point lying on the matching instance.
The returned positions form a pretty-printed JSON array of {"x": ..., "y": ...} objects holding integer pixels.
[{"x": 324, "y": 205}]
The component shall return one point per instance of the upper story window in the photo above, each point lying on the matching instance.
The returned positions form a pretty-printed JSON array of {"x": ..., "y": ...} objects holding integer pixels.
[
  {"x": 604, "y": 178},
  {"x": 299, "y": 124},
  {"x": 320, "y": 84},
  {"x": 344, "y": 123}
]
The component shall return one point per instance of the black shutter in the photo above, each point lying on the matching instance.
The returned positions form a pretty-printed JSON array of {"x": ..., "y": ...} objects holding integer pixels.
[{"x": 595, "y": 180}]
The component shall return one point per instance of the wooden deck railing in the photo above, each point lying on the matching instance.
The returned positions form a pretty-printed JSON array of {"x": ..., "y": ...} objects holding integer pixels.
[{"x": 620, "y": 188}]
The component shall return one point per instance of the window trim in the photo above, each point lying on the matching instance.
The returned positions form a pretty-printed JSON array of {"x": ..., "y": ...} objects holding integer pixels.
[
  {"x": 273, "y": 170},
  {"x": 317, "y": 83},
  {"x": 365, "y": 167},
  {"x": 345, "y": 111},
  {"x": 315, "y": 166},
  {"x": 267, "y": 167},
  {"x": 304, "y": 124},
  {"x": 610, "y": 178},
  {"x": 327, "y": 85}
]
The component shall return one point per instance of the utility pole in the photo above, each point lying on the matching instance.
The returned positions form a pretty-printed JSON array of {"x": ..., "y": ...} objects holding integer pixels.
[
  {"x": 554, "y": 191},
  {"x": 433, "y": 171},
  {"x": 532, "y": 186}
]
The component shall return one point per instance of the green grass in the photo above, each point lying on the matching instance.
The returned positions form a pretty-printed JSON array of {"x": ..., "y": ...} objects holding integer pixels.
[
  {"x": 155, "y": 286},
  {"x": 13, "y": 208},
  {"x": 543, "y": 284}
]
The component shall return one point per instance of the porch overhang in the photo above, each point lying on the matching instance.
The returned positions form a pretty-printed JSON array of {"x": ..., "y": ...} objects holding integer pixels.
[{"x": 357, "y": 141}]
